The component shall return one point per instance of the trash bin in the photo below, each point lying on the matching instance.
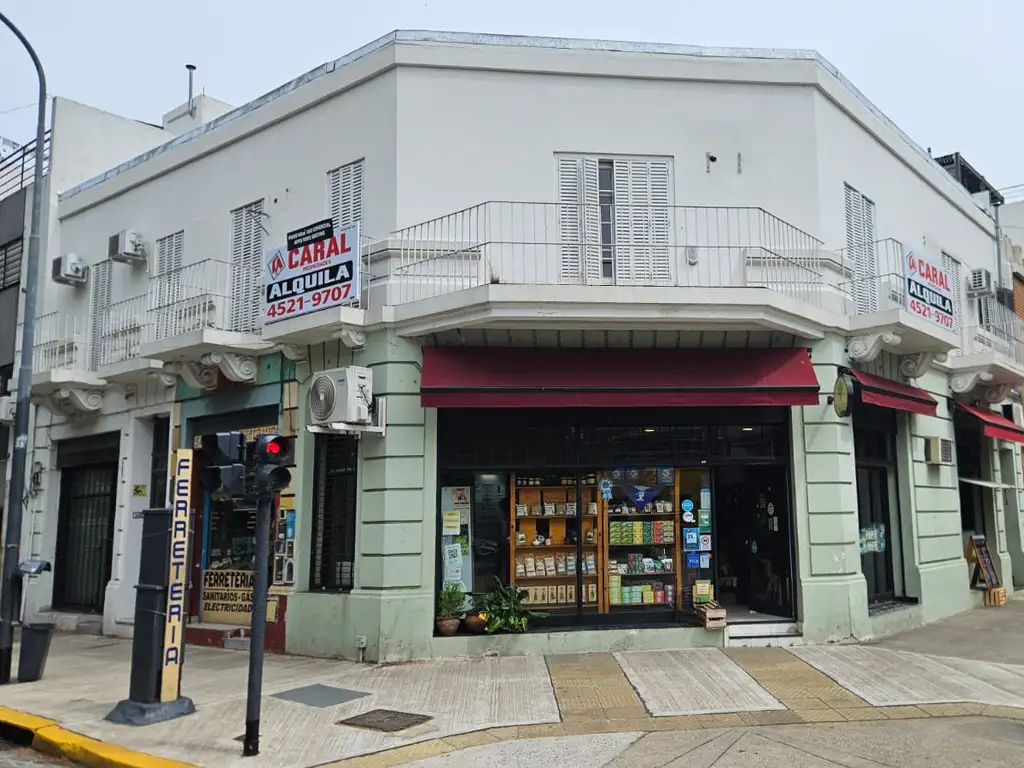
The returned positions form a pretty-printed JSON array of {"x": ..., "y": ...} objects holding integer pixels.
[{"x": 35, "y": 647}]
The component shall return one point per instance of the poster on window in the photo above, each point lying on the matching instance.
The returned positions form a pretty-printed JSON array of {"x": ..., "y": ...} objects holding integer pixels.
[{"x": 457, "y": 535}]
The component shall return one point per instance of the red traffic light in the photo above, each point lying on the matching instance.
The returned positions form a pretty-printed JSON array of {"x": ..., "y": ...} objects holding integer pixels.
[{"x": 274, "y": 449}]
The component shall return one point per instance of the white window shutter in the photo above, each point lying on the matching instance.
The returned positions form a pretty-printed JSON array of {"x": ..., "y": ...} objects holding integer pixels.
[
  {"x": 570, "y": 220},
  {"x": 952, "y": 267},
  {"x": 626, "y": 243},
  {"x": 860, "y": 245},
  {"x": 101, "y": 278},
  {"x": 246, "y": 261},
  {"x": 346, "y": 191},
  {"x": 661, "y": 221},
  {"x": 591, "y": 221}
]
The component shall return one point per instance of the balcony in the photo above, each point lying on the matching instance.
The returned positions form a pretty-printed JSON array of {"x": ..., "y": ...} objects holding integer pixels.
[
  {"x": 18, "y": 169},
  {"x": 526, "y": 265},
  {"x": 202, "y": 318},
  {"x": 882, "y": 314},
  {"x": 117, "y": 337},
  {"x": 62, "y": 373},
  {"x": 993, "y": 353}
]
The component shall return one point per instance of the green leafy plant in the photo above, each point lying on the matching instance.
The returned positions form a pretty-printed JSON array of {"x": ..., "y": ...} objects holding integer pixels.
[
  {"x": 450, "y": 601},
  {"x": 504, "y": 609}
]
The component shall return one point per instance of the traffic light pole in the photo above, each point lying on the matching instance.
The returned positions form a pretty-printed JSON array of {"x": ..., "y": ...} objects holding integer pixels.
[{"x": 258, "y": 631}]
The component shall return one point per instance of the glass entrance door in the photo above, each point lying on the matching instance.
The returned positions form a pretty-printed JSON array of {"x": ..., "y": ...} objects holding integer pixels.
[{"x": 873, "y": 512}]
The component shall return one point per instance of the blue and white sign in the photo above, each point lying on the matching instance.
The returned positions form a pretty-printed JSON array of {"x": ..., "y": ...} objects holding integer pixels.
[
  {"x": 692, "y": 560},
  {"x": 687, "y": 505},
  {"x": 691, "y": 539}
]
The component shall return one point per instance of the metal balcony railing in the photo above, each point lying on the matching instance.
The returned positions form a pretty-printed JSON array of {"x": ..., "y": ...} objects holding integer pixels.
[
  {"x": 874, "y": 279},
  {"x": 526, "y": 243},
  {"x": 1000, "y": 330},
  {"x": 118, "y": 331},
  {"x": 62, "y": 342},
  {"x": 18, "y": 168},
  {"x": 209, "y": 294}
]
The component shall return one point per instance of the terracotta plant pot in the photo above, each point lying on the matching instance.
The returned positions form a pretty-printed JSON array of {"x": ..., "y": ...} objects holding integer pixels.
[
  {"x": 448, "y": 627},
  {"x": 475, "y": 624}
]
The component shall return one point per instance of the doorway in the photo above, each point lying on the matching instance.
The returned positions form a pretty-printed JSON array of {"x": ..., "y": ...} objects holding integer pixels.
[
  {"x": 85, "y": 537},
  {"x": 754, "y": 550}
]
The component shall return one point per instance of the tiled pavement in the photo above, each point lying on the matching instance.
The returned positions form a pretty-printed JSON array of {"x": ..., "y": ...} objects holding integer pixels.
[
  {"x": 487, "y": 703},
  {"x": 595, "y": 696}
]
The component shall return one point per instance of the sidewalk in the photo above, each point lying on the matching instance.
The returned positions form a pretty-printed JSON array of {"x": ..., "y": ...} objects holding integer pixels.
[{"x": 483, "y": 703}]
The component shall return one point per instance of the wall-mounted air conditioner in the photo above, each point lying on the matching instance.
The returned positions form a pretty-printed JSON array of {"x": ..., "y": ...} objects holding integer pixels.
[
  {"x": 979, "y": 283},
  {"x": 69, "y": 269},
  {"x": 938, "y": 450},
  {"x": 342, "y": 395},
  {"x": 127, "y": 247},
  {"x": 6, "y": 412}
]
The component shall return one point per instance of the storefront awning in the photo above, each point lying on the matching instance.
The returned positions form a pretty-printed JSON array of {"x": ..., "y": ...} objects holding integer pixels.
[
  {"x": 513, "y": 377},
  {"x": 986, "y": 484},
  {"x": 886, "y": 393},
  {"x": 994, "y": 424}
]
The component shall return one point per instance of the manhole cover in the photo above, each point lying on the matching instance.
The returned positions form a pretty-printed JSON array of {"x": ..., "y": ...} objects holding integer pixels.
[
  {"x": 318, "y": 695},
  {"x": 385, "y": 720}
]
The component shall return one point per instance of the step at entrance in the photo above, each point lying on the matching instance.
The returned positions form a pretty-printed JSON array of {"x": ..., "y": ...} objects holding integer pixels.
[
  {"x": 215, "y": 635},
  {"x": 783, "y": 634}
]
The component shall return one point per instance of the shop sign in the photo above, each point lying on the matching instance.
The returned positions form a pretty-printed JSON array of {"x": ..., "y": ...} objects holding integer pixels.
[
  {"x": 177, "y": 578},
  {"x": 317, "y": 269},
  {"x": 227, "y": 596},
  {"x": 843, "y": 395},
  {"x": 928, "y": 290}
]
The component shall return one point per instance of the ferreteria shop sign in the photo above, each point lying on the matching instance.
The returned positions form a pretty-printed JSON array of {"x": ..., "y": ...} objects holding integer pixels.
[
  {"x": 177, "y": 577},
  {"x": 929, "y": 293},
  {"x": 227, "y": 597},
  {"x": 318, "y": 268}
]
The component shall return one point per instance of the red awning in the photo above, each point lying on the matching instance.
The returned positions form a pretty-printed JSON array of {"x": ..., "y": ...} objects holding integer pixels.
[
  {"x": 515, "y": 377},
  {"x": 994, "y": 424},
  {"x": 886, "y": 393}
]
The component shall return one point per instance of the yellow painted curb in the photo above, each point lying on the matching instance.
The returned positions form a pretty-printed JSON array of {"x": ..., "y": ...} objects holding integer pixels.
[{"x": 51, "y": 738}]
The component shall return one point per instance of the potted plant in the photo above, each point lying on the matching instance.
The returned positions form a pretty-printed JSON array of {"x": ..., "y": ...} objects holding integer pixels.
[
  {"x": 476, "y": 619},
  {"x": 449, "y": 609},
  {"x": 503, "y": 609}
]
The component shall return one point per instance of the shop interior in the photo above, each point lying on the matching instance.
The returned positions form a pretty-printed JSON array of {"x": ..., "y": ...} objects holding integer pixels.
[{"x": 673, "y": 508}]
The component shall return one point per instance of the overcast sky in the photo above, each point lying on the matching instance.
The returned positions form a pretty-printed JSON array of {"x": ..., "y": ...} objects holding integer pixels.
[{"x": 947, "y": 71}]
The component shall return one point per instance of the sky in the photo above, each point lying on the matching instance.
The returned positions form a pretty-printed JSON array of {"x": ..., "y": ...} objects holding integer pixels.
[{"x": 946, "y": 71}]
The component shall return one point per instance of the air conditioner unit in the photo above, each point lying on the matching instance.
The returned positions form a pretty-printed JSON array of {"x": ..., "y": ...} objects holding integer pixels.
[
  {"x": 6, "y": 413},
  {"x": 343, "y": 395},
  {"x": 979, "y": 283},
  {"x": 69, "y": 269},
  {"x": 938, "y": 450},
  {"x": 127, "y": 247}
]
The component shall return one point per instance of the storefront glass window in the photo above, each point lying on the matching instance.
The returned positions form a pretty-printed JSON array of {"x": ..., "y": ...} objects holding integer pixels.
[{"x": 621, "y": 527}]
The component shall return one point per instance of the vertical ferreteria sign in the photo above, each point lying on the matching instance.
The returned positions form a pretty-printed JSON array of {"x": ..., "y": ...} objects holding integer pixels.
[{"x": 177, "y": 577}]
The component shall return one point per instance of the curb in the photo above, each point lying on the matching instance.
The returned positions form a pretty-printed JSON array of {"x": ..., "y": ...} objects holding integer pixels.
[{"x": 49, "y": 737}]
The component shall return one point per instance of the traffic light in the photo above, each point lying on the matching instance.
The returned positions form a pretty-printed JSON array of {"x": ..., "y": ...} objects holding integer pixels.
[
  {"x": 224, "y": 460},
  {"x": 272, "y": 454}
]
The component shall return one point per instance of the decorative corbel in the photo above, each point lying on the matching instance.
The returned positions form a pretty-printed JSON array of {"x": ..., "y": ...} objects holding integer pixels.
[
  {"x": 292, "y": 352},
  {"x": 195, "y": 375},
  {"x": 351, "y": 338},
  {"x": 166, "y": 379},
  {"x": 962, "y": 383},
  {"x": 75, "y": 403},
  {"x": 866, "y": 348},
  {"x": 916, "y": 365},
  {"x": 234, "y": 367},
  {"x": 997, "y": 393}
]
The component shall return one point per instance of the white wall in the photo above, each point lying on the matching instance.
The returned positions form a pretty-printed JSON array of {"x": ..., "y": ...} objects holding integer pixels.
[{"x": 286, "y": 164}]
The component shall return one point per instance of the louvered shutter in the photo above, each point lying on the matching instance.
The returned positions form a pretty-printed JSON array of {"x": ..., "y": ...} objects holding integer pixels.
[
  {"x": 591, "y": 218},
  {"x": 643, "y": 228},
  {"x": 246, "y": 254},
  {"x": 952, "y": 267},
  {"x": 860, "y": 245},
  {"x": 100, "y": 277},
  {"x": 570, "y": 219},
  {"x": 346, "y": 190}
]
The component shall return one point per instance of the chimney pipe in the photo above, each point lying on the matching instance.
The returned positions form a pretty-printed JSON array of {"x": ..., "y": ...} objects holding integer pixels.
[{"x": 191, "y": 73}]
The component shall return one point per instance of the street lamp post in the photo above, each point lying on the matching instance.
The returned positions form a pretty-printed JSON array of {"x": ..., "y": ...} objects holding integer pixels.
[{"x": 10, "y": 586}]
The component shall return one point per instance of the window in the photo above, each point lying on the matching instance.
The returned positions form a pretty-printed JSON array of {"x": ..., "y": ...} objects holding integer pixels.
[
  {"x": 158, "y": 496},
  {"x": 346, "y": 190},
  {"x": 100, "y": 279},
  {"x": 247, "y": 267},
  {"x": 169, "y": 252},
  {"x": 334, "y": 513},
  {"x": 10, "y": 264},
  {"x": 860, "y": 247},
  {"x": 614, "y": 220}
]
